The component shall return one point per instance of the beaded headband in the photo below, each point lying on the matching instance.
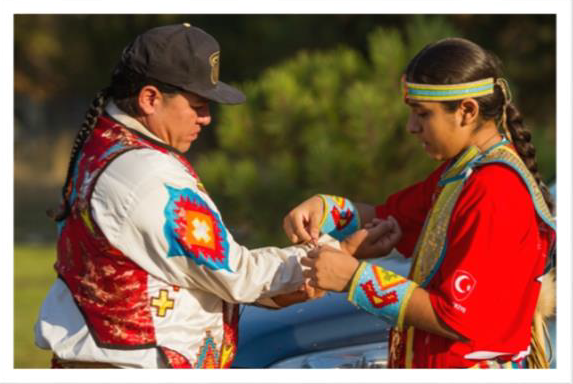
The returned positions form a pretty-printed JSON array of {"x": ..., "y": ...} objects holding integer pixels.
[{"x": 447, "y": 92}]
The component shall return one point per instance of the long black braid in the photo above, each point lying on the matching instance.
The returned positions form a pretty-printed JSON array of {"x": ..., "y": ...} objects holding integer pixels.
[
  {"x": 95, "y": 110},
  {"x": 521, "y": 137}
]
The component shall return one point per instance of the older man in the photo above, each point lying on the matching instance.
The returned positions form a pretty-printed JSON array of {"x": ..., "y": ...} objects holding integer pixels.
[{"x": 148, "y": 274}]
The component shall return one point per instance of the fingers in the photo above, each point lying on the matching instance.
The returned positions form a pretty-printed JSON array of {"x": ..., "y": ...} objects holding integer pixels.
[
  {"x": 380, "y": 229},
  {"x": 293, "y": 225},
  {"x": 397, "y": 228},
  {"x": 314, "y": 224},
  {"x": 312, "y": 291},
  {"x": 307, "y": 262},
  {"x": 376, "y": 220},
  {"x": 302, "y": 224}
]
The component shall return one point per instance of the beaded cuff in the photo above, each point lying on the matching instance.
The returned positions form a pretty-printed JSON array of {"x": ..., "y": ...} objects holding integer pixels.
[
  {"x": 340, "y": 217},
  {"x": 381, "y": 292}
]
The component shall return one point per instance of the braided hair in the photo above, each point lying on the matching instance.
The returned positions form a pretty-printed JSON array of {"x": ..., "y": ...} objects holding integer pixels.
[
  {"x": 124, "y": 90},
  {"x": 95, "y": 110},
  {"x": 456, "y": 60}
]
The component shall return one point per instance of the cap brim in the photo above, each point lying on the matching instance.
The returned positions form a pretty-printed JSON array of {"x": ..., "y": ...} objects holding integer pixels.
[{"x": 223, "y": 93}]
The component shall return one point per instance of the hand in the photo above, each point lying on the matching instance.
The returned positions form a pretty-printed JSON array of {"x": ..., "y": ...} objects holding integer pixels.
[
  {"x": 376, "y": 239},
  {"x": 304, "y": 293},
  {"x": 330, "y": 268},
  {"x": 313, "y": 292},
  {"x": 286, "y": 299},
  {"x": 302, "y": 223}
]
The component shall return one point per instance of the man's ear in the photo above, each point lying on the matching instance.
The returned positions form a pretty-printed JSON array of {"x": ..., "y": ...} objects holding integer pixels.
[
  {"x": 468, "y": 112},
  {"x": 148, "y": 99}
]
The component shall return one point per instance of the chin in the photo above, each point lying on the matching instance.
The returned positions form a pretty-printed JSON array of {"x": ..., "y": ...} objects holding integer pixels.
[{"x": 184, "y": 147}]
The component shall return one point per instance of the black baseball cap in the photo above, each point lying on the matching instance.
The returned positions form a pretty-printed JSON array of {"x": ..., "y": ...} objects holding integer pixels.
[{"x": 183, "y": 56}]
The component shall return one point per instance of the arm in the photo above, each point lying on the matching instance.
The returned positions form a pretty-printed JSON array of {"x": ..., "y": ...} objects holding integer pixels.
[
  {"x": 367, "y": 212},
  {"x": 420, "y": 314},
  {"x": 159, "y": 217},
  {"x": 303, "y": 223},
  {"x": 335, "y": 270},
  {"x": 408, "y": 206},
  {"x": 492, "y": 231}
]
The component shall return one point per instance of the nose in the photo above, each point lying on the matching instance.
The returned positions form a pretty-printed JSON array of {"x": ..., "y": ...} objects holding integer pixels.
[
  {"x": 413, "y": 125},
  {"x": 204, "y": 115}
]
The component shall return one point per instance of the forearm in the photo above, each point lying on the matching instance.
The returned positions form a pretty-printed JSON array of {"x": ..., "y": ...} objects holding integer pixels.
[
  {"x": 396, "y": 299},
  {"x": 420, "y": 314},
  {"x": 367, "y": 212}
]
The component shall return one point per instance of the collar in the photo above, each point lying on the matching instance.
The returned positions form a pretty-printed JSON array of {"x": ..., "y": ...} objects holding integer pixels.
[
  {"x": 117, "y": 114},
  {"x": 462, "y": 167}
]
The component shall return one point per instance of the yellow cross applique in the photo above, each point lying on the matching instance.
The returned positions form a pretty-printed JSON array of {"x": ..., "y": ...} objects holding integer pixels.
[{"x": 162, "y": 303}]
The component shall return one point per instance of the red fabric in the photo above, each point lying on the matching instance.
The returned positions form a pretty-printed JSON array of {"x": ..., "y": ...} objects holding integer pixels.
[
  {"x": 410, "y": 207},
  {"x": 175, "y": 359},
  {"x": 109, "y": 288},
  {"x": 496, "y": 248}
]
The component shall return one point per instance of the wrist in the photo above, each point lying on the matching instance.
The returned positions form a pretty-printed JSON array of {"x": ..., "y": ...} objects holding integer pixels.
[
  {"x": 340, "y": 216},
  {"x": 354, "y": 268},
  {"x": 344, "y": 247},
  {"x": 381, "y": 292}
]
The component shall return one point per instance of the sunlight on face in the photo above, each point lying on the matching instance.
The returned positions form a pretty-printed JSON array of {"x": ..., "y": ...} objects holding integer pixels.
[
  {"x": 438, "y": 130},
  {"x": 180, "y": 119}
]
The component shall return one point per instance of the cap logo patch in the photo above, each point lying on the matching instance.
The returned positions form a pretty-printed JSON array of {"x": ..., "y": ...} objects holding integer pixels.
[{"x": 214, "y": 62}]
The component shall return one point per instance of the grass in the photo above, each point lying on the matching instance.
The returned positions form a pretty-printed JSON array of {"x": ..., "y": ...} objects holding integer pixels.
[{"x": 33, "y": 276}]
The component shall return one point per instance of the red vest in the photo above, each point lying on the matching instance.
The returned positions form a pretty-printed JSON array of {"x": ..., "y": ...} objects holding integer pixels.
[{"x": 109, "y": 289}]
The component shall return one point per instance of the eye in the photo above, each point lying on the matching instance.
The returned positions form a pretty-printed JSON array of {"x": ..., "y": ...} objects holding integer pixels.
[{"x": 199, "y": 106}]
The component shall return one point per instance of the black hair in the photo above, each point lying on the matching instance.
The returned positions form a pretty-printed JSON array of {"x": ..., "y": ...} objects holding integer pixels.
[
  {"x": 457, "y": 60},
  {"x": 124, "y": 90}
]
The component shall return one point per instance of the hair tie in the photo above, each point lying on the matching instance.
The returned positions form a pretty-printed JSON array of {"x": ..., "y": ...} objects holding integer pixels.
[{"x": 504, "y": 86}]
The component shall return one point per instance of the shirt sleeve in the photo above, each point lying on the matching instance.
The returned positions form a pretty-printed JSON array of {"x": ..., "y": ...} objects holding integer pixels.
[
  {"x": 492, "y": 260},
  {"x": 410, "y": 207},
  {"x": 160, "y": 217}
]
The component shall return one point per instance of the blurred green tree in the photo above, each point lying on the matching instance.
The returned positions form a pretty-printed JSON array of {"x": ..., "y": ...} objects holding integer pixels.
[
  {"x": 328, "y": 121},
  {"x": 322, "y": 110}
]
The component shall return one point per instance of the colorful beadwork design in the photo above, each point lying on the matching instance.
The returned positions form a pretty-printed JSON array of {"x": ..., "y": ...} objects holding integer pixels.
[
  {"x": 208, "y": 356},
  {"x": 381, "y": 292},
  {"x": 340, "y": 217},
  {"x": 230, "y": 334},
  {"x": 193, "y": 230},
  {"x": 444, "y": 92}
]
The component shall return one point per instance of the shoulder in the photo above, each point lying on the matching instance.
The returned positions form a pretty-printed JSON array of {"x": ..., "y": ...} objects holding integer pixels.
[
  {"x": 497, "y": 180},
  {"x": 136, "y": 174},
  {"x": 495, "y": 186},
  {"x": 139, "y": 167}
]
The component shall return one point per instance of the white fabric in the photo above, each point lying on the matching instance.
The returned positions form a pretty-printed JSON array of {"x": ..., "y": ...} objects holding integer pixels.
[
  {"x": 128, "y": 204},
  {"x": 486, "y": 355}
]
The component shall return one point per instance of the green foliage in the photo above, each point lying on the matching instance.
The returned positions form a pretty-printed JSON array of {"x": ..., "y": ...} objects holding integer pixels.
[
  {"x": 33, "y": 275},
  {"x": 329, "y": 121}
]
